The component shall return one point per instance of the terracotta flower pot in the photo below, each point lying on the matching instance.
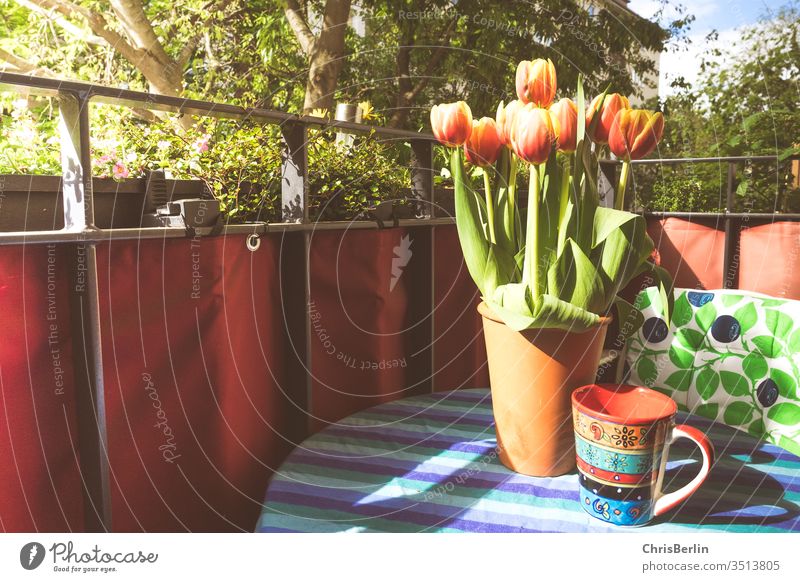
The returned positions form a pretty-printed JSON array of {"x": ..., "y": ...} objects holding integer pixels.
[{"x": 533, "y": 374}]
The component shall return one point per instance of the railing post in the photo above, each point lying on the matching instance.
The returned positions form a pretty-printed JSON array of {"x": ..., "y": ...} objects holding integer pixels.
[
  {"x": 78, "y": 207},
  {"x": 294, "y": 173},
  {"x": 730, "y": 261},
  {"x": 296, "y": 270}
]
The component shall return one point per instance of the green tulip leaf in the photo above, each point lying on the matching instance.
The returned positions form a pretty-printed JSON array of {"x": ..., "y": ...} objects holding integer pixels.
[
  {"x": 552, "y": 312},
  {"x": 514, "y": 304},
  {"x": 500, "y": 268},
  {"x": 767, "y": 346},
  {"x": 681, "y": 358},
  {"x": 755, "y": 366},
  {"x": 785, "y": 413},
  {"x": 787, "y": 386},
  {"x": 706, "y": 383},
  {"x": 680, "y": 380},
  {"x": 606, "y": 221},
  {"x": 511, "y": 303},
  {"x": 574, "y": 278},
  {"x": 746, "y": 316},
  {"x": 734, "y": 384},
  {"x": 738, "y": 413},
  {"x": 623, "y": 251},
  {"x": 471, "y": 234}
]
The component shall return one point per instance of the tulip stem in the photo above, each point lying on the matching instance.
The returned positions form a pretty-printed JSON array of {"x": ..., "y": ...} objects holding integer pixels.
[
  {"x": 512, "y": 193},
  {"x": 619, "y": 201},
  {"x": 563, "y": 203},
  {"x": 532, "y": 237},
  {"x": 487, "y": 187}
]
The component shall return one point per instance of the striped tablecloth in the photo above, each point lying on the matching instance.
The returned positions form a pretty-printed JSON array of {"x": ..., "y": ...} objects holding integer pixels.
[{"x": 428, "y": 463}]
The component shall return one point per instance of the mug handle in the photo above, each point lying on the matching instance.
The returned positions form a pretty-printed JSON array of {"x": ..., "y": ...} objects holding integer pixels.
[{"x": 666, "y": 502}]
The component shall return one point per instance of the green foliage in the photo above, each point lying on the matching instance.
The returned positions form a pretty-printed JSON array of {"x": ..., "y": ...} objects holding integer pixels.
[
  {"x": 344, "y": 182},
  {"x": 745, "y": 103}
]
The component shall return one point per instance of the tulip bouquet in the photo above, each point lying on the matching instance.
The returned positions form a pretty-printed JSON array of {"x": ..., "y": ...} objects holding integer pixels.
[{"x": 560, "y": 260}]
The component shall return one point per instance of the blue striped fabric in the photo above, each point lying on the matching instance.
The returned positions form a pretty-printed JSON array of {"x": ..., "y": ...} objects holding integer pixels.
[{"x": 428, "y": 464}]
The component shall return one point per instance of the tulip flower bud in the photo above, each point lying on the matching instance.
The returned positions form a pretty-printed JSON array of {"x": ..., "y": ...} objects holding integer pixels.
[
  {"x": 635, "y": 133},
  {"x": 611, "y": 106},
  {"x": 536, "y": 82},
  {"x": 566, "y": 113},
  {"x": 483, "y": 146},
  {"x": 534, "y": 132},
  {"x": 451, "y": 123},
  {"x": 505, "y": 120}
]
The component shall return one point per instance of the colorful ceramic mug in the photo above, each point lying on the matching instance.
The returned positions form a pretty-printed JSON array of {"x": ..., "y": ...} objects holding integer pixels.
[{"x": 622, "y": 438}]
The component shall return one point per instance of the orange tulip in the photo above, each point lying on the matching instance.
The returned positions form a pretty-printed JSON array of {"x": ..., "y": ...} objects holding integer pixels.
[
  {"x": 635, "y": 133},
  {"x": 566, "y": 112},
  {"x": 483, "y": 146},
  {"x": 451, "y": 123},
  {"x": 611, "y": 106},
  {"x": 536, "y": 82},
  {"x": 505, "y": 120},
  {"x": 534, "y": 132}
]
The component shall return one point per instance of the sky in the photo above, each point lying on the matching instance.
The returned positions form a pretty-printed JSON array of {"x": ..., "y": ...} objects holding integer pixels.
[{"x": 726, "y": 16}]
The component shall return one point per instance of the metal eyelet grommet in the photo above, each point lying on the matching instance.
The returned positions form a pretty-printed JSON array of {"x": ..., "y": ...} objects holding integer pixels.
[{"x": 253, "y": 242}]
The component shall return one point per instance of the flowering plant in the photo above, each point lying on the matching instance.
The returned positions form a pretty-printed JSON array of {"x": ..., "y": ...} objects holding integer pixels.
[{"x": 560, "y": 260}]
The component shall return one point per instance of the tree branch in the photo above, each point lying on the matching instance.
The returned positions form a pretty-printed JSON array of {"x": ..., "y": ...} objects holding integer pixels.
[
  {"x": 67, "y": 26},
  {"x": 96, "y": 23},
  {"x": 139, "y": 29},
  {"x": 20, "y": 64},
  {"x": 296, "y": 19}
]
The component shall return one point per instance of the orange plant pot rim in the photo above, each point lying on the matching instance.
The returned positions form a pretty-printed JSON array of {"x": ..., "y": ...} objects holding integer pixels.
[{"x": 486, "y": 312}]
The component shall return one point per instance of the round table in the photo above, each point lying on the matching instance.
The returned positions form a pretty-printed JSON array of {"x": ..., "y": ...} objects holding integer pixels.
[{"x": 429, "y": 464}]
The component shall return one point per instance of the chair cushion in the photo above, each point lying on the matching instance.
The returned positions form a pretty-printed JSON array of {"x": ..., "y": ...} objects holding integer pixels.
[{"x": 729, "y": 355}]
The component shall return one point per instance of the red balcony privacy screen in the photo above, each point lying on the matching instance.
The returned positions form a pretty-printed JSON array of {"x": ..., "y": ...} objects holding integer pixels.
[
  {"x": 770, "y": 256},
  {"x": 193, "y": 339},
  {"x": 692, "y": 251},
  {"x": 40, "y": 482}
]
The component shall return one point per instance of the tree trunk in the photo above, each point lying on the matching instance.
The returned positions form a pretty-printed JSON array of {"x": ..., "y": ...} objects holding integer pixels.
[{"x": 326, "y": 57}]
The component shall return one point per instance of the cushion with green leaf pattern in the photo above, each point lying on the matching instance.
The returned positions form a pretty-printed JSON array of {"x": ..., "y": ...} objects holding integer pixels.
[{"x": 732, "y": 356}]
